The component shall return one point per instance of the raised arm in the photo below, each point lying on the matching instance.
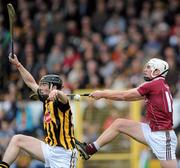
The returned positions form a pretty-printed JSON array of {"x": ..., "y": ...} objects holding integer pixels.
[
  {"x": 128, "y": 95},
  {"x": 26, "y": 76}
]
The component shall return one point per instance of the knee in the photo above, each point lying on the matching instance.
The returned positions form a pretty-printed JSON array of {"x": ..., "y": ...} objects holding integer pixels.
[
  {"x": 16, "y": 140},
  {"x": 118, "y": 124}
]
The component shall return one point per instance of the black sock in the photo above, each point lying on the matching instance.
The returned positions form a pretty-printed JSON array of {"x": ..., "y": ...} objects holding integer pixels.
[{"x": 4, "y": 165}]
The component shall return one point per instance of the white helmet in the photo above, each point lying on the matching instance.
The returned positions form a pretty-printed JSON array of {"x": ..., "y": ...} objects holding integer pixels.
[{"x": 162, "y": 66}]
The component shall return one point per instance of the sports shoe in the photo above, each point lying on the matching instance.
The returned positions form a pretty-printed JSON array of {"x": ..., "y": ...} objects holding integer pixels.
[{"x": 81, "y": 147}]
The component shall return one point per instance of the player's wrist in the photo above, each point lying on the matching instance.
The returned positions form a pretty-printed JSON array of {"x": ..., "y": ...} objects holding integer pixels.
[
  {"x": 18, "y": 65},
  {"x": 57, "y": 94}
]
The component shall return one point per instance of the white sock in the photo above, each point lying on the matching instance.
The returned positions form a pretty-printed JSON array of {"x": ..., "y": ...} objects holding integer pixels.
[{"x": 96, "y": 145}]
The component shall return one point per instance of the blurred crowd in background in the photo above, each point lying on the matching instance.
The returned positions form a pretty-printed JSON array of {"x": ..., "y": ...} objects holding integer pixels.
[{"x": 89, "y": 43}]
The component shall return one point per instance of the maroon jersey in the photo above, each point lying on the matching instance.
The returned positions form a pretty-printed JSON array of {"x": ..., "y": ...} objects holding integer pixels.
[{"x": 158, "y": 101}]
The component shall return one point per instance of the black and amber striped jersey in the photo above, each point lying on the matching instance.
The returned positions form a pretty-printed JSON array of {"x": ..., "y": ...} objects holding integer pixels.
[{"x": 58, "y": 127}]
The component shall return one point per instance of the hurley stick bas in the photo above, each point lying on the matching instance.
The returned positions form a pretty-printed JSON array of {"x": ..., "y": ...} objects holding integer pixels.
[{"x": 12, "y": 16}]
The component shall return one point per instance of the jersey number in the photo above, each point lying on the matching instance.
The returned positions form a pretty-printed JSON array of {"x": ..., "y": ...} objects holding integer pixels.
[{"x": 168, "y": 98}]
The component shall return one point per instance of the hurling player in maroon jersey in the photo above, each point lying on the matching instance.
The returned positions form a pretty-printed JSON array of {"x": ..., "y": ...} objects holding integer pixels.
[{"x": 157, "y": 132}]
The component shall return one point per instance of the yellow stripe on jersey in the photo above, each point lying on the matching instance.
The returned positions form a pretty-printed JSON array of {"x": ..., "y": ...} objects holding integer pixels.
[
  {"x": 53, "y": 135},
  {"x": 68, "y": 138},
  {"x": 61, "y": 130},
  {"x": 53, "y": 125},
  {"x": 48, "y": 133},
  {"x": 47, "y": 126}
]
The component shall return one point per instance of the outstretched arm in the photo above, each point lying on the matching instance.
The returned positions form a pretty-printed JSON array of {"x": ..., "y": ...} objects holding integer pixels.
[
  {"x": 27, "y": 77},
  {"x": 129, "y": 95}
]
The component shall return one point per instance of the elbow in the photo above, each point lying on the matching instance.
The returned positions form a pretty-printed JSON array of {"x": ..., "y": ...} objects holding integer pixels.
[{"x": 124, "y": 97}]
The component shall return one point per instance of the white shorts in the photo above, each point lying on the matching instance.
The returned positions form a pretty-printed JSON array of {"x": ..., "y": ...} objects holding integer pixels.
[
  {"x": 162, "y": 143},
  {"x": 58, "y": 157}
]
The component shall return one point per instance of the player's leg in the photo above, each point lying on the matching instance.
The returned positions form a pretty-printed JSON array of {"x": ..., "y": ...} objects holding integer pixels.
[
  {"x": 129, "y": 127},
  {"x": 168, "y": 163},
  {"x": 21, "y": 142}
]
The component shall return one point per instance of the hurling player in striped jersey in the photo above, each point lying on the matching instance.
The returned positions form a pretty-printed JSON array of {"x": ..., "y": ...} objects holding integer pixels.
[{"x": 58, "y": 148}]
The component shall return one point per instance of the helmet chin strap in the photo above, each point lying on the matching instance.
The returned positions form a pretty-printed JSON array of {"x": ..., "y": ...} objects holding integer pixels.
[
  {"x": 147, "y": 79},
  {"x": 42, "y": 96},
  {"x": 50, "y": 86},
  {"x": 153, "y": 77}
]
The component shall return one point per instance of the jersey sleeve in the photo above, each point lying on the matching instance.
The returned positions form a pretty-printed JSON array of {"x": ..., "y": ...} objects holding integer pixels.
[{"x": 144, "y": 88}]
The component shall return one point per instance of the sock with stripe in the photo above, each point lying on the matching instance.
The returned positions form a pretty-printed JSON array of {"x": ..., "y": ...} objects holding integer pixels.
[
  {"x": 92, "y": 148},
  {"x": 4, "y": 165},
  {"x": 96, "y": 145}
]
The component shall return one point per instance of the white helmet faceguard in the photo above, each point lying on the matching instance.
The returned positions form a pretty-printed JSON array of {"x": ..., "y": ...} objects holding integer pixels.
[{"x": 159, "y": 64}]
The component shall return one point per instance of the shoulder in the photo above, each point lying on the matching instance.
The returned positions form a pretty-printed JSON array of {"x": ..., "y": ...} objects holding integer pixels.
[
  {"x": 146, "y": 87},
  {"x": 146, "y": 84},
  {"x": 154, "y": 82}
]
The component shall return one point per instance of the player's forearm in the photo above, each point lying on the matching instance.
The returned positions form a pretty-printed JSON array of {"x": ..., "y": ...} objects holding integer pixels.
[
  {"x": 113, "y": 95},
  {"x": 27, "y": 77},
  {"x": 130, "y": 95}
]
